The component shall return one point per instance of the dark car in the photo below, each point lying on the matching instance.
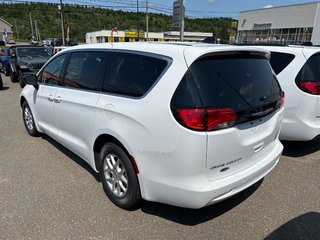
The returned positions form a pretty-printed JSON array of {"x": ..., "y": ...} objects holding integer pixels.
[
  {"x": 4, "y": 61},
  {"x": 55, "y": 42},
  {"x": 71, "y": 42},
  {"x": 47, "y": 41},
  {"x": 26, "y": 59}
]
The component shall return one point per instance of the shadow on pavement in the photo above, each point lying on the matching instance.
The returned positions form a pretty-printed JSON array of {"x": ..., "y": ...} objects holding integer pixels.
[
  {"x": 192, "y": 217},
  {"x": 300, "y": 149},
  {"x": 306, "y": 227},
  {"x": 4, "y": 88},
  {"x": 72, "y": 156}
]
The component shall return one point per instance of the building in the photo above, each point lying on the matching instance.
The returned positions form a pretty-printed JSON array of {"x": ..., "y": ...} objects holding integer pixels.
[
  {"x": 188, "y": 36},
  {"x": 120, "y": 36},
  {"x": 6, "y": 33},
  {"x": 293, "y": 24},
  {"x": 131, "y": 36}
]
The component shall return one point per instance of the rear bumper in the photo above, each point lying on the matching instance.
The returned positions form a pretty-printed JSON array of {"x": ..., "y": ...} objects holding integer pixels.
[
  {"x": 201, "y": 192},
  {"x": 292, "y": 130}
]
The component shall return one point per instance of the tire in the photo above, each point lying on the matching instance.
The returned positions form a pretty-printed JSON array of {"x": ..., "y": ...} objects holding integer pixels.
[
  {"x": 13, "y": 77},
  {"x": 21, "y": 80},
  {"x": 1, "y": 83},
  {"x": 28, "y": 120},
  {"x": 118, "y": 177},
  {"x": 7, "y": 71}
]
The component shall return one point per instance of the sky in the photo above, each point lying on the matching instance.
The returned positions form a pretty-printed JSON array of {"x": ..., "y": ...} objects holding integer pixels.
[{"x": 194, "y": 8}]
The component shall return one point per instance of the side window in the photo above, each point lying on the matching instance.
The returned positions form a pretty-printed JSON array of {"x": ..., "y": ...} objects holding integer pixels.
[
  {"x": 51, "y": 74},
  {"x": 85, "y": 70},
  {"x": 280, "y": 61},
  {"x": 132, "y": 74},
  {"x": 310, "y": 72},
  {"x": 13, "y": 52}
]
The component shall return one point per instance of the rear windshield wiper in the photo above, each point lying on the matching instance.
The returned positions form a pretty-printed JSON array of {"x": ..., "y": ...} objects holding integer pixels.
[
  {"x": 262, "y": 113},
  {"x": 254, "y": 113}
]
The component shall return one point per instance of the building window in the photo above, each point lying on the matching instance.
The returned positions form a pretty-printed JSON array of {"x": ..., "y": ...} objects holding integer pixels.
[{"x": 281, "y": 36}]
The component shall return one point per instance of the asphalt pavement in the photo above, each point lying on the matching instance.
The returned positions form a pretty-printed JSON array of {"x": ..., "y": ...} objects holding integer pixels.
[{"x": 47, "y": 192}]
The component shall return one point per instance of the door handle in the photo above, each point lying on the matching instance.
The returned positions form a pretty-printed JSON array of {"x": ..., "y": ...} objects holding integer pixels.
[
  {"x": 57, "y": 99},
  {"x": 50, "y": 98}
]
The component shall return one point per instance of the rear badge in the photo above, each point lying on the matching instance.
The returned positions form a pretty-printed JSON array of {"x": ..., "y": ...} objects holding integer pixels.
[
  {"x": 224, "y": 169},
  {"x": 224, "y": 165}
]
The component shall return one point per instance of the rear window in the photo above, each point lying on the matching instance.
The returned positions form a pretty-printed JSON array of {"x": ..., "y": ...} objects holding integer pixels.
[
  {"x": 218, "y": 92},
  {"x": 280, "y": 61},
  {"x": 242, "y": 81},
  {"x": 310, "y": 72},
  {"x": 132, "y": 74}
]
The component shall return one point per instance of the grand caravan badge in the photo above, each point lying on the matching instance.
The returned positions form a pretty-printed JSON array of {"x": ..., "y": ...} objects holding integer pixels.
[{"x": 224, "y": 165}]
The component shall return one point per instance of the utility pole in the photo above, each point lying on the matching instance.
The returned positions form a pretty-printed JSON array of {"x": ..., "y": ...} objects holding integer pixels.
[
  {"x": 37, "y": 31},
  {"x": 62, "y": 23},
  {"x": 138, "y": 30},
  {"x": 17, "y": 30},
  {"x": 147, "y": 20},
  {"x": 32, "y": 33}
]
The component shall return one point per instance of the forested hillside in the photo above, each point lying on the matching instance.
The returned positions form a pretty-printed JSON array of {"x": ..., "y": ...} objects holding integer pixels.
[{"x": 82, "y": 19}]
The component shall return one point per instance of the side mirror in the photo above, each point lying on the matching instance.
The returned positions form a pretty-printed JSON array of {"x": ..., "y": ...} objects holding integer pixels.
[{"x": 31, "y": 79}]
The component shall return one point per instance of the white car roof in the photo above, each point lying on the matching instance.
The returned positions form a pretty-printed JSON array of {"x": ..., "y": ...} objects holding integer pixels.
[
  {"x": 308, "y": 51},
  {"x": 191, "y": 51}
]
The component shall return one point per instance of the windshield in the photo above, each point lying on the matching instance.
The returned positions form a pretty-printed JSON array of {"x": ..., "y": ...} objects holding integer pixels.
[{"x": 32, "y": 52}]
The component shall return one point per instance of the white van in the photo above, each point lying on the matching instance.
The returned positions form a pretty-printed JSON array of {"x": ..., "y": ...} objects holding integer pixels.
[{"x": 182, "y": 124}]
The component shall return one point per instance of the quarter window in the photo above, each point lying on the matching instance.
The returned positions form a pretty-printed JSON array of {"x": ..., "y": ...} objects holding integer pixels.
[
  {"x": 51, "y": 74},
  {"x": 86, "y": 70},
  {"x": 280, "y": 61},
  {"x": 310, "y": 72},
  {"x": 132, "y": 74}
]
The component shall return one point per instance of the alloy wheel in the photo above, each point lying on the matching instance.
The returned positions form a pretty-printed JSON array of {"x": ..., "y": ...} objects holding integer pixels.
[
  {"x": 115, "y": 175},
  {"x": 28, "y": 118}
]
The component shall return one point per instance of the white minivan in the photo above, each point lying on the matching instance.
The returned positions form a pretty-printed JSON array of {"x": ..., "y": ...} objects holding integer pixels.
[
  {"x": 182, "y": 124},
  {"x": 298, "y": 72}
]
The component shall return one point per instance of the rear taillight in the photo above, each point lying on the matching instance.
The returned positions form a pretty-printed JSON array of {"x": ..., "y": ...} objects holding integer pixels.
[
  {"x": 200, "y": 119},
  {"x": 310, "y": 87},
  {"x": 220, "y": 118},
  {"x": 281, "y": 100},
  {"x": 194, "y": 119}
]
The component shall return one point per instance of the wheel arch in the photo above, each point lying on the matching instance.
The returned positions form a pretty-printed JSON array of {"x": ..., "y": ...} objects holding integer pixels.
[
  {"x": 22, "y": 100},
  {"x": 105, "y": 138}
]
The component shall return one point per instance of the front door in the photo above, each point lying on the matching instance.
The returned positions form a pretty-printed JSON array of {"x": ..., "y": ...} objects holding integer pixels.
[
  {"x": 49, "y": 80},
  {"x": 75, "y": 102}
]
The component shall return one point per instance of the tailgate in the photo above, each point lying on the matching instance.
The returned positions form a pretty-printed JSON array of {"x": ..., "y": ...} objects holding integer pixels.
[{"x": 232, "y": 150}]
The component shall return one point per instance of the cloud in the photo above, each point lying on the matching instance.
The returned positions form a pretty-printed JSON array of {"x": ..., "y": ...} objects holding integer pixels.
[
  {"x": 268, "y": 6},
  {"x": 211, "y": 1}
]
